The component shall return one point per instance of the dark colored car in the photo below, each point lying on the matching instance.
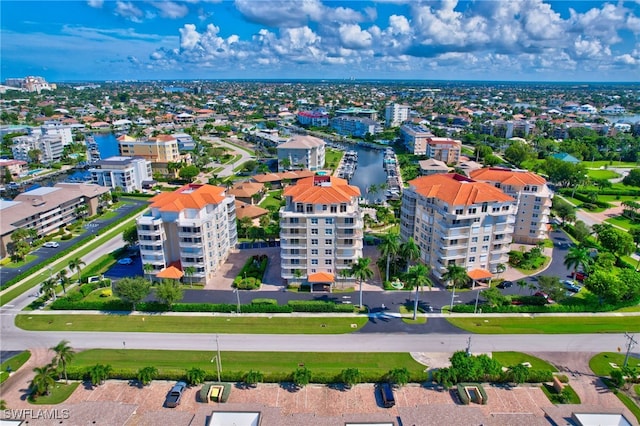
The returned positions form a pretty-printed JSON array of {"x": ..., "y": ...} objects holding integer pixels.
[
  {"x": 505, "y": 284},
  {"x": 175, "y": 394},
  {"x": 386, "y": 392}
]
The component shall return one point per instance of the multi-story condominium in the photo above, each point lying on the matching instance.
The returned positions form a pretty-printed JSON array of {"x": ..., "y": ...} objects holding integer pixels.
[
  {"x": 354, "y": 126},
  {"x": 444, "y": 149},
  {"x": 160, "y": 150},
  {"x": 194, "y": 226},
  {"x": 317, "y": 118},
  {"x": 30, "y": 84},
  {"x": 185, "y": 141},
  {"x": 456, "y": 220},
  {"x": 128, "y": 173},
  {"x": 14, "y": 167},
  {"x": 49, "y": 147},
  {"x": 508, "y": 129},
  {"x": 396, "y": 114},
  {"x": 533, "y": 198},
  {"x": 357, "y": 112},
  {"x": 301, "y": 153},
  {"x": 47, "y": 209},
  {"x": 613, "y": 110},
  {"x": 56, "y": 128},
  {"x": 415, "y": 138},
  {"x": 321, "y": 229}
]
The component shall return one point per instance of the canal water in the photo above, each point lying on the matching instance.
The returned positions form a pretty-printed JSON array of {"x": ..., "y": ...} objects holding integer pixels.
[
  {"x": 369, "y": 172},
  {"x": 107, "y": 144}
]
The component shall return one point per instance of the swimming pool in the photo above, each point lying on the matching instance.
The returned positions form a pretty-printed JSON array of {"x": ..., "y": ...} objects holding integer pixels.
[{"x": 33, "y": 172}]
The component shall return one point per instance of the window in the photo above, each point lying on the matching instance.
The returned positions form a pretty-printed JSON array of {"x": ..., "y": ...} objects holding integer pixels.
[
  {"x": 343, "y": 208},
  {"x": 485, "y": 248},
  {"x": 314, "y": 220},
  {"x": 314, "y": 242},
  {"x": 472, "y": 210},
  {"x": 324, "y": 207},
  {"x": 348, "y": 221},
  {"x": 314, "y": 231},
  {"x": 314, "y": 252},
  {"x": 328, "y": 261},
  {"x": 453, "y": 242},
  {"x": 328, "y": 242},
  {"x": 485, "y": 238},
  {"x": 314, "y": 261},
  {"x": 459, "y": 211},
  {"x": 485, "y": 206},
  {"x": 505, "y": 208},
  {"x": 294, "y": 220},
  {"x": 328, "y": 252},
  {"x": 474, "y": 239},
  {"x": 309, "y": 208},
  {"x": 473, "y": 249},
  {"x": 328, "y": 221},
  {"x": 472, "y": 259},
  {"x": 334, "y": 208},
  {"x": 328, "y": 231}
]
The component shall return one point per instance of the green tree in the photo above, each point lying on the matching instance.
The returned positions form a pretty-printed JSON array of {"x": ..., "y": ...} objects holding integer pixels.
[
  {"x": 615, "y": 240},
  {"x": 148, "y": 270},
  {"x": 43, "y": 380},
  {"x": 518, "y": 152},
  {"x": 48, "y": 288},
  {"x": 633, "y": 178},
  {"x": 418, "y": 277},
  {"x": 389, "y": 247},
  {"x": 361, "y": 271},
  {"x": 64, "y": 355},
  {"x": 146, "y": 375},
  {"x": 564, "y": 210},
  {"x": 169, "y": 292},
  {"x": 64, "y": 280},
  {"x": 522, "y": 284},
  {"x": 253, "y": 377},
  {"x": 130, "y": 235},
  {"x": 301, "y": 377},
  {"x": 399, "y": 376},
  {"x": 455, "y": 276},
  {"x": 519, "y": 373},
  {"x": 581, "y": 231},
  {"x": 195, "y": 376},
  {"x": 133, "y": 290},
  {"x": 410, "y": 251},
  {"x": 552, "y": 287},
  {"x": 76, "y": 264},
  {"x": 99, "y": 373},
  {"x": 188, "y": 173},
  {"x": 578, "y": 257},
  {"x": 494, "y": 296},
  {"x": 189, "y": 271},
  {"x": 350, "y": 376}
]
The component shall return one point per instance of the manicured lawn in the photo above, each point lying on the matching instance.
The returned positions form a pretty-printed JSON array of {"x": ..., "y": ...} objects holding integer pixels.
[
  {"x": 599, "y": 364},
  {"x": 59, "y": 394},
  {"x": 636, "y": 389},
  {"x": 332, "y": 158},
  {"x": 628, "y": 402},
  {"x": 550, "y": 392},
  {"x": 271, "y": 200},
  {"x": 602, "y": 174},
  {"x": 409, "y": 320},
  {"x": 197, "y": 324},
  {"x": 547, "y": 325},
  {"x": 13, "y": 363},
  {"x": 271, "y": 364},
  {"x": 510, "y": 359},
  {"x": 622, "y": 222},
  {"x": 545, "y": 263},
  {"x": 614, "y": 198},
  {"x": 598, "y": 164},
  {"x": 13, "y": 265}
]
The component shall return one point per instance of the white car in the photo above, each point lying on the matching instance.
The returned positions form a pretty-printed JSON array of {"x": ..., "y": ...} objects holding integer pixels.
[
  {"x": 125, "y": 261},
  {"x": 51, "y": 244}
]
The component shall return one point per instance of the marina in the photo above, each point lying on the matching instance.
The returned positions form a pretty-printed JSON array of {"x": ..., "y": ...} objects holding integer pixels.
[
  {"x": 348, "y": 165},
  {"x": 394, "y": 178}
]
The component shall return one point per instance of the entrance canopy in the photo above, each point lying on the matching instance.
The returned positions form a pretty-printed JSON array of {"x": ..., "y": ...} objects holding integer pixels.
[
  {"x": 321, "y": 277},
  {"x": 171, "y": 273},
  {"x": 479, "y": 274}
]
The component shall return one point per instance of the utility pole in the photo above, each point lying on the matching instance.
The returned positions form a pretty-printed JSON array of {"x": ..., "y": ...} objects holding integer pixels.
[
  {"x": 631, "y": 342},
  {"x": 475, "y": 308},
  {"x": 216, "y": 358}
]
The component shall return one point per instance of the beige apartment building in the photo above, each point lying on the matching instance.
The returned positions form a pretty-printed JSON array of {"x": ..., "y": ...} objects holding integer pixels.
[
  {"x": 194, "y": 226},
  {"x": 301, "y": 153},
  {"x": 321, "y": 230},
  {"x": 160, "y": 150},
  {"x": 533, "y": 198},
  {"x": 444, "y": 149},
  {"x": 456, "y": 220},
  {"x": 415, "y": 138}
]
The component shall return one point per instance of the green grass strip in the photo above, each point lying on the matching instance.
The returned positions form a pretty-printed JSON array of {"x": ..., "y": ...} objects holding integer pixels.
[
  {"x": 190, "y": 324},
  {"x": 547, "y": 325},
  {"x": 599, "y": 364},
  {"x": 59, "y": 393},
  {"x": 269, "y": 363},
  {"x": 510, "y": 359},
  {"x": 409, "y": 320},
  {"x": 628, "y": 402},
  {"x": 13, "y": 364}
]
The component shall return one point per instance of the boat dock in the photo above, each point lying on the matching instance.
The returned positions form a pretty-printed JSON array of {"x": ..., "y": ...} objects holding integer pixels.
[
  {"x": 348, "y": 165},
  {"x": 394, "y": 178}
]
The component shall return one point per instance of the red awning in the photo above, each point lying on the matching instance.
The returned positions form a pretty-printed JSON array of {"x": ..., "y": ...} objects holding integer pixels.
[
  {"x": 479, "y": 274},
  {"x": 321, "y": 277},
  {"x": 171, "y": 273}
]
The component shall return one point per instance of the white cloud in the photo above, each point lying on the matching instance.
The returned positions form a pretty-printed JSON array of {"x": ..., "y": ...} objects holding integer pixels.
[
  {"x": 129, "y": 11},
  {"x": 354, "y": 37},
  {"x": 172, "y": 10},
  {"x": 95, "y": 3}
]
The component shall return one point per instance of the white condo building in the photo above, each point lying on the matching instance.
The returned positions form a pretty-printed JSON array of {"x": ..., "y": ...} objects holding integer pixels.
[
  {"x": 50, "y": 148},
  {"x": 396, "y": 114},
  {"x": 321, "y": 230},
  {"x": 301, "y": 153},
  {"x": 456, "y": 220},
  {"x": 128, "y": 173},
  {"x": 533, "y": 197},
  {"x": 194, "y": 226}
]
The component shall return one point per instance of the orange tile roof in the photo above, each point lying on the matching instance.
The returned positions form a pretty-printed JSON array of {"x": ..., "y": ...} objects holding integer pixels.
[
  {"x": 507, "y": 176},
  {"x": 273, "y": 177},
  {"x": 171, "y": 273},
  {"x": 479, "y": 274},
  {"x": 309, "y": 190},
  {"x": 457, "y": 190},
  {"x": 321, "y": 277},
  {"x": 246, "y": 189},
  {"x": 248, "y": 210},
  {"x": 188, "y": 197}
]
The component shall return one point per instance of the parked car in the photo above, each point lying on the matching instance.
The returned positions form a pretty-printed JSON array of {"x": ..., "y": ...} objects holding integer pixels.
[
  {"x": 125, "y": 261},
  {"x": 51, "y": 244},
  {"x": 545, "y": 295},
  {"x": 505, "y": 284},
  {"x": 386, "y": 392},
  {"x": 580, "y": 276},
  {"x": 571, "y": 286},
  {"x": 175, "y": 394}
]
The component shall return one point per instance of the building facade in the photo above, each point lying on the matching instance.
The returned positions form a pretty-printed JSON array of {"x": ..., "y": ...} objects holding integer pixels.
[
  {"x": 444, "y": 149},
  {"x": 354, "y": 126},
  {"x": 47, "y": 209},
  {"x": 127, "y": 173},
  {"x": 316, "y": 118},
  {"x": 321, "y": 229},
  {"x": 456, "y": 220},
  {"x": 533, "y": 198},
  {"x": 415, "y": 138},
  {"x": 301, "y": 153},
  {"x": 396, "y": 114},
  {"x": 194, "y": 226},
  {"x": 160, "y": 150},
  {"x": 49, "y": 148}
]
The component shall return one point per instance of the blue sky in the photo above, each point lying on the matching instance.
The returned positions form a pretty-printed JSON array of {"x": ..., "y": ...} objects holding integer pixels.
[{"x": 526, "y": 40}]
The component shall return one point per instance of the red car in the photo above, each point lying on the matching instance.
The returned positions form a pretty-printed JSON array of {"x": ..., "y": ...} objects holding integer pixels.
[{"x": 580, "y": 276}]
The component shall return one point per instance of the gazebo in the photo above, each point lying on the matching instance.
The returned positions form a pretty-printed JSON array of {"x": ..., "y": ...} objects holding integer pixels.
[
  {"x": 171, "y": 273},
  {"x": 478, "y": 275},
  {"x": 324, "y": 278}
]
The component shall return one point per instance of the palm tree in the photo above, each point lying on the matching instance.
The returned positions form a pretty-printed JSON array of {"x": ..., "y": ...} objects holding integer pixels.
[
  {"x": 48, "y": 288},
  {"x": 148, "y": 268},
  {"x": 522, "y": 284},
  {"x": 43, "y": 381},
  {"x": 189, "y": 271},
  {"x": 76, "y": 265},
  {"x": 390, "y": 246},
  {"x": 64, "y": 354},
  {"x": 500, "y": 268},
  {"x": 410, "y": 251},
  {"x": 577, "y": 256},
  {"x": 456, "y": 276},
  {"x": 64, "y": 280},
  {"x": 146, "y": 375},
  {"x": 344, "y": 274},
  {"x": 418, "y": 276},
  {"x": 99, "y": 373},
  {"x": 361, "y": 271}
]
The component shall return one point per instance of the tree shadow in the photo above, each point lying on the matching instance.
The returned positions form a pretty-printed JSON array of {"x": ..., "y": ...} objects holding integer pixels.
[
  {"x": 342, "y": 387},
  {"x": 290, "y": 387}
]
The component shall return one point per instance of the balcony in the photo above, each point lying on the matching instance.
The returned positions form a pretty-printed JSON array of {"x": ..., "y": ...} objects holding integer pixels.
[
  {"x": 357, "y": 224},
  {"x": 284, "y": 224},
  {"x": 356, "y": 234},
  {"x": 285, "y": 244},
  {"x": 301, "y": 255},
  {"x": 186, "y": 244},
  {"x": 289, "y": 265}
]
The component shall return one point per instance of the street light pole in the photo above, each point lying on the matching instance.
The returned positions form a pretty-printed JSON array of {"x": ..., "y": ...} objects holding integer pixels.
[
  {"x": 475, "y": 308},
  {"x": 237, "y": 292}
]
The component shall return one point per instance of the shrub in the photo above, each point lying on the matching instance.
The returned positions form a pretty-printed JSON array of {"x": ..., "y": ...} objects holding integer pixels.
[
  {"x": 106, "y": 293},
  {"x": 617, "y": 378},
  {"x": 66, "y": 237},
  {"x": 264, "y": 301}
]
